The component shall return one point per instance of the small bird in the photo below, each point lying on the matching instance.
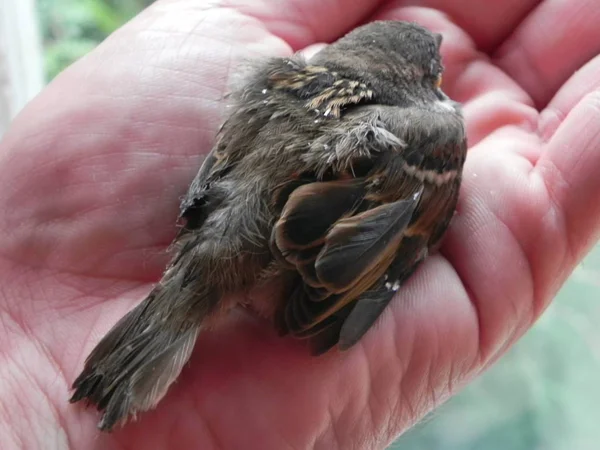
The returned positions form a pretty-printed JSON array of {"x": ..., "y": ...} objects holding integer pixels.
[{"x": 338, "y": 175}]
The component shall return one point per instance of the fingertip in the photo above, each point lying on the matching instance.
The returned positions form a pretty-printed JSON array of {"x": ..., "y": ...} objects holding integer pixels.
[
  {"x": 556, "y": 39},
  {"x": 310, "y": 51},
  {"x": 302, "y": 23},
  {"x": 582, "y": 82}
]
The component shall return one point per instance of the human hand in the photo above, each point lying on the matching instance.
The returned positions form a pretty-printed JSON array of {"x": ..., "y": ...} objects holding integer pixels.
[{"x": 91, "y": 173}]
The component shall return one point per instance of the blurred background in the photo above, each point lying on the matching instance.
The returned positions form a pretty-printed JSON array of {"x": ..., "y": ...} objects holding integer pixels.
[{"x": 543, "y": 395}]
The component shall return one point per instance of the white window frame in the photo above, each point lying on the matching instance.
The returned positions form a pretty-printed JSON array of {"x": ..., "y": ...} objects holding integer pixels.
[{"x": 21, "y": 63}]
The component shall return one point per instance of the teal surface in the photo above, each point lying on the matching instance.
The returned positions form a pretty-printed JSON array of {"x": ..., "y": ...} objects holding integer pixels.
[{"x": 544, "y": 394}]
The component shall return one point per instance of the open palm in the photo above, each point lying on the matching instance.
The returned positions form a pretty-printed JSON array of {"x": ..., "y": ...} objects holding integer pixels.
[{"x": 91, "y": 173}]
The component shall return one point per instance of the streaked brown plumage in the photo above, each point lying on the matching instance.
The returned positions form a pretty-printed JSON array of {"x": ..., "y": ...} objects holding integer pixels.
[{"x": 341, "y": 175}]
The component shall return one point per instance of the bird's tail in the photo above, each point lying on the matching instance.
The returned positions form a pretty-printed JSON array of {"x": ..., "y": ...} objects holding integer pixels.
[{"x": 132, "y": 367}]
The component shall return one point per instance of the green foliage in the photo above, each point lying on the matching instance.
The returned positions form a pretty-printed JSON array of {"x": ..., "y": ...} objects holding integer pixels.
[{"x": 71, "y": 28}]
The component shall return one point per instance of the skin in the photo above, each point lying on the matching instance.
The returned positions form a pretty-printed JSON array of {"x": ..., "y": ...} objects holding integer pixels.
[{"x": 91, "y": 173}]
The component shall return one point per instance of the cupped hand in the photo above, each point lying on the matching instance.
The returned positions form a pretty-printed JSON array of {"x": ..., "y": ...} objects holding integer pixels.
[{"x": 92, "y": 170}]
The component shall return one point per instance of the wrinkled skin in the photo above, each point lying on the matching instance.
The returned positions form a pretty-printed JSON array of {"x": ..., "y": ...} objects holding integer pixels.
[{"x": 92, "y": 171}]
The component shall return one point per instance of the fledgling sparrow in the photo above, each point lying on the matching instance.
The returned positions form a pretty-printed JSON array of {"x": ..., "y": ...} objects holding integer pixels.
[{"x": 339, "y": 175}]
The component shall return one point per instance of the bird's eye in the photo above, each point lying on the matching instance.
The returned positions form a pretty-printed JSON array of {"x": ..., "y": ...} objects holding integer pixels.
[{"x": 438, "y": 81}]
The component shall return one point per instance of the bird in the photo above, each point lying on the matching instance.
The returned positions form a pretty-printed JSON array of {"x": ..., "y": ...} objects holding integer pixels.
[{"x": 339, "y": 174}]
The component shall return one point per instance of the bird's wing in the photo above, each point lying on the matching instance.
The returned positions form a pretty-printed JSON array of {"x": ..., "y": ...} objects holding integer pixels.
[
  {"x": 354, "y": 240},
  {"x": 323, "y": 90},
  {"x": 342, "y": 243},
  {"x": 316, "y": 86}
]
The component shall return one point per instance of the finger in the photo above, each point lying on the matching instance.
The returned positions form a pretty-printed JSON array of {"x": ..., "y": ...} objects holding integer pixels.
[
  {"x": 552, "y": 42},
  {"x": 569, "y": 167},
  {"x": 303, "y": 22},
  {"x": 480, "y": 20},
  {"x": 312, "y": 50},
  {"x": 581, "y": 83}
]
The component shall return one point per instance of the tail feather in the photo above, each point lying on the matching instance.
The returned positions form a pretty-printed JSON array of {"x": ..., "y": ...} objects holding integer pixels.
[{"x": 132, "y": 367}]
